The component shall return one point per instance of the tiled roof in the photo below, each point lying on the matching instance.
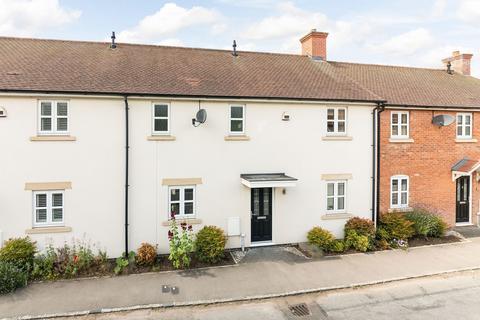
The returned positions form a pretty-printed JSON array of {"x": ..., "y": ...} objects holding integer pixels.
[
  {"x": 92, "y": 67},
  {"x": 465, "y": 165}
]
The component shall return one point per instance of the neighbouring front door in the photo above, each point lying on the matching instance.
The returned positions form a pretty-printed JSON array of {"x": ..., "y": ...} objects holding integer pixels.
[
  {"x": 463, "y": 199},
  {"x": 261, "y": 207}
]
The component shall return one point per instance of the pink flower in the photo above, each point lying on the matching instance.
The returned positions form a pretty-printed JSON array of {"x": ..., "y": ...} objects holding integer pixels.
[
  {"x": 170, "y": 235},
  {"x": 190, "y": 228},
  {"x": 172, "y": 215},
  {"x": 184, "y": 225}
]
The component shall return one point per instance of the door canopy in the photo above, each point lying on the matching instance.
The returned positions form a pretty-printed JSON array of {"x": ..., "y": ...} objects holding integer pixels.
[{"x": 267, "y": 180}]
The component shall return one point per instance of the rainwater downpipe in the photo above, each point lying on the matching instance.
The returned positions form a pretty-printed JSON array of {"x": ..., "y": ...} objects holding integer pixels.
[
  {"x": 376, "y": 161},
  {"x": 127, "y": 147}
]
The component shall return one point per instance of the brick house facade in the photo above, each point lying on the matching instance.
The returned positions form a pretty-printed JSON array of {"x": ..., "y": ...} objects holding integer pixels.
[{"x": 426, "y": 157}]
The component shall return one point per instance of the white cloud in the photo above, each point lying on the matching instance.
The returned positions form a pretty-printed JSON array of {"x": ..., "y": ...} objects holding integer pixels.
[
  {"x": 289, "y": 22},
  {"x": 171, "y": 42},
  {"x": 439, "y": 7},
  {"x": 170, "y": 19},
  {"x": 405, "y": 44},
  {"x": 30, "y": 17},
  {"x": 469, "y": 11}
]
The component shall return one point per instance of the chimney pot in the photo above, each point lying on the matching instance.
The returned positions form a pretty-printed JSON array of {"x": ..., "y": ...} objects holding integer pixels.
[
  {"x": 459, "y": 62},
  {"x": 314, "y": 45}
]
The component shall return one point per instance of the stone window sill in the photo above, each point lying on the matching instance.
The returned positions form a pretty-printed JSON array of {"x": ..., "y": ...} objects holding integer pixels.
[
  {"x": 337, "y": 138},
  {"x": 237, "y": 138},
  {"x": 336, "y": 216},
  {"x": 466, "y": 140},
  {"x": 43, "y": 230},
  {"x": 53, "y": 138},
  {"x": 161, "y": 138},
  {"x": 401, "y": 140},
  {"x": 406, "y": 209},
  {"x": 187, "y": 221}
]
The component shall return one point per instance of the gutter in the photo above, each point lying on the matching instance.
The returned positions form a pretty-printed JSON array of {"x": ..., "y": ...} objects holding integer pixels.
[
  {"x": 127, "y": 147},
  {"x": 376, "y": 161}
]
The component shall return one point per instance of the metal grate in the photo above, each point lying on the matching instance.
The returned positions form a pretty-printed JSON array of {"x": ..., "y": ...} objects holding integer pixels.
[{"x": 300, "y": 310}]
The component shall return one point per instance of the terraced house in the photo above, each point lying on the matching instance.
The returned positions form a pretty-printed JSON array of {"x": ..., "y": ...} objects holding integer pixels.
[{"x": 104, "y": 141}]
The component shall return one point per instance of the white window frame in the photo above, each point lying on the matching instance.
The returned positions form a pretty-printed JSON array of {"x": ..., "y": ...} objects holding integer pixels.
[
  {"x": 54, "y": 130},
  {"x": 49, "y": 208},
  {"x": 399, "y": 192},
  {"x": 399, "y": 125},
  {"x": 168, "y": 118},
  {"x": 336, "y": 121},
  {"x": 463, "y": 125},
  {"x": 182, "y": 202},
  {"x": 335, "y": 196},
  {"x": 233, "y": 133}
]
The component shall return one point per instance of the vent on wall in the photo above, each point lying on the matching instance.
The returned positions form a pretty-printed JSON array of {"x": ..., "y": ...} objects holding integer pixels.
[{"x": 3, "y": 112}]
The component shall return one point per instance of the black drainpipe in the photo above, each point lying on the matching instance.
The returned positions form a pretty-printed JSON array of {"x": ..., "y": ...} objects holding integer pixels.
[
  {"x": 376, "y": 161},
  {"x": 127, "y": 146}
]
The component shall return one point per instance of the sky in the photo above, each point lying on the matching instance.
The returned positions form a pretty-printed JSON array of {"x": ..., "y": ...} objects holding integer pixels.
[{"x": 401, "y": 32}]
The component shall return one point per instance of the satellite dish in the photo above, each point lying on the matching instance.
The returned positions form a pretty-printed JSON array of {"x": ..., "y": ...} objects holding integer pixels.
[
  {"x": 200, "y": 117},
  {"x": 443, "y": 120}
]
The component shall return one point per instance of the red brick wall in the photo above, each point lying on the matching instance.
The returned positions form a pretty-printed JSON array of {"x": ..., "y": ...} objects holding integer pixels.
[{"x": 427, "y": 161}]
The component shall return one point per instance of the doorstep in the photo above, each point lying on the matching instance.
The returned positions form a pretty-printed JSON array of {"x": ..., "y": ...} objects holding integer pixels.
[{"x": 261, "y": 244}]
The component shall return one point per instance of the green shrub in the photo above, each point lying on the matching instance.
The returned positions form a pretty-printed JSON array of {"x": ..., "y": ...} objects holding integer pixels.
[
  {"x": 20, "y": 252},
  {"x": 337, "y": 245},
  {"x": 395, "y": 226},
  {"x": 11, "y": 277},
  {"x": 146, "y": 255},
  {"x": 362, "y": 227},
  {"x": 426, "y": 224},
  {"x": 320, "y": 237},
  {"x": 181, "y": 239},
  {"x": 210, "y": 244},
  {"x": 357, "y": 241}
]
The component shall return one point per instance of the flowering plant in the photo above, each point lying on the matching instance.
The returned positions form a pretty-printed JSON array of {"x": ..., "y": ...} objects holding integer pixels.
[{"x": 181, "y": 243}]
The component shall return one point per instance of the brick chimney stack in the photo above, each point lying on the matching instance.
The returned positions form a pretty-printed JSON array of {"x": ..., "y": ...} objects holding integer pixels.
[
  {"x": 314, "y": 45},
  {"x": 460, "y": 62}
]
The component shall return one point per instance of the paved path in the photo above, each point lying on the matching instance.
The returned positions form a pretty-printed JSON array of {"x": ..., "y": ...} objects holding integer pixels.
[{"x": 253, "y": 279}]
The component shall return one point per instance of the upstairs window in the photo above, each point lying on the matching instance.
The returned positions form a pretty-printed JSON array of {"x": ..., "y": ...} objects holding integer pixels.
[
  {"x": 399, "y": 192},
  {"x": 182, "y": 201},
  {"x": 336, "y": 121},
  {"x": 161, "y": 118},
  {"x": 53, "y": 117},
  {"x": 400, "y": 125},
  {"x": 336, "y": 196},
  {"x": 237, "y": 119},
  {"x": 464, "y": 125},
  {"x": 48, "y": 208}
]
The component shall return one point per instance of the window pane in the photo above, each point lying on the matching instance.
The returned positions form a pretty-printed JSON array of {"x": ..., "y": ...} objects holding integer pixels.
[
  {"x": 330, "y": 126},
  {"x": 404, "y": 118},
  {"x": 46, "y": 109},
  {"x": 41, "y": 200},
  {"x": 46, "y": 124},
  {"x": 62, "y": 109},
  {"x": 404, "y": 130},
  {"x": 57, "y": 200},
  {"x": 341, "y": 203},
  {"x": 404, "y": 184},
  {"x": 394, "y": 198},
  {"x": 62, "y": 124},
  {"x": 341, "y": 114},
  {"x": 467, "y": 120},
  {"x": 57, "y": 215},
  {"x": 188, "y": 194},
  {"x": 161, "y": 110},
  {"x": 161, "y": 125},
  {"x": 330, "y": 204},
  {"x": 341, "y": 126},
  {"x": 404, "y": 198},
  {"x": 459, "y": 119},
  {"x": 236, "y": 112},
  {"x": 189, "y": 208},
  {"x": 330, "y": 187},
  {"x": 395, "y": 130},
  {"x": 459, "y": 131},
  {"x": 236, "y": 125},
  {"x": 394, "y": 118},
  {"x": 174, "y": 194},
  {"x": 394, "y": 185},
  {"x": 330, "y": 114},
  {"x": 175, "y": 208},
  {"x": 341, "y": 189},
  {"x": 467, "y": 131},
  {"x": 41, "y": 215}
]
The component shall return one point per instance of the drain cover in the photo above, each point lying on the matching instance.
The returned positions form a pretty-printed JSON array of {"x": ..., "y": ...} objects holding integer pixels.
[{"x": 300, "y": 310}]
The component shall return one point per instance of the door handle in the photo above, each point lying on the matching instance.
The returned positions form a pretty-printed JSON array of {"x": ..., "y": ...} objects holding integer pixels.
[
  {"x": 463, "y": 202},
  {"x": 261, "y": 217}
]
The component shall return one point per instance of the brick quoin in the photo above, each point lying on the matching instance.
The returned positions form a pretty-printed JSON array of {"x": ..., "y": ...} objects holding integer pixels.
[{"x": 427, "y": 162}]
